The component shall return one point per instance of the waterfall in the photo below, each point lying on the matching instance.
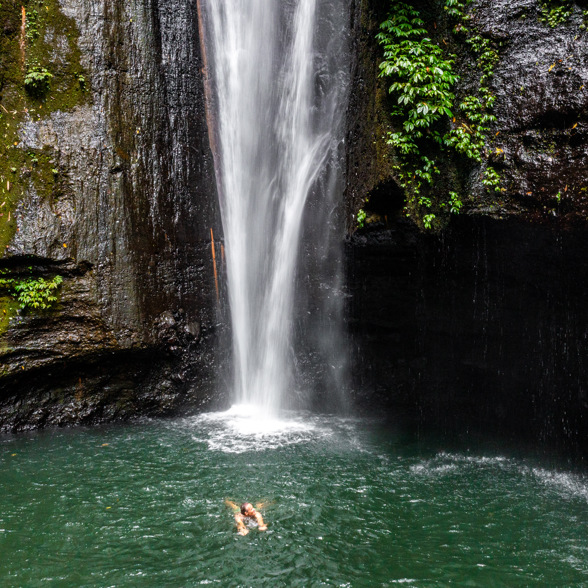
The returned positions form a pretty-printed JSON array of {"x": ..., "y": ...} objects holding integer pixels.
[{"x": 279, "y": 82}]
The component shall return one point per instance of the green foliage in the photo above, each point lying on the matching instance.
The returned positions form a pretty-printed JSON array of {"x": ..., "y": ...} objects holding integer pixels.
[
  {"x": 37, "y": 81},
  {"x": 456, "y": 8},
  {"x": 555, "y": 12},
  {"x": 423, "y": 80},
  {"x": 32, "y": 25},
  {"x": 491, "y": 179},
  {"x": 487, "y": 56},
  {"x": 422, "y": 76},
  {"x": 469, "y": 137},
  {"x": 361, "y": 216},
  {"x": 428, "y": 220},
  {"x": 31, "y": 293},
  {"x": 455, "y": 203}
]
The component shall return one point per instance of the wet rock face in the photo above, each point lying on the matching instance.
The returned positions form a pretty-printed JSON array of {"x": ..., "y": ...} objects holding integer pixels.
[
  {"x": 482, "y": 331},
  {"x": 127, "y": 226},
  {"x": 482, "y": 327},
  {"x": 367, "y": 155},
  {"x": 541, "y": 85},
  {"x": 539, "y": 139}
]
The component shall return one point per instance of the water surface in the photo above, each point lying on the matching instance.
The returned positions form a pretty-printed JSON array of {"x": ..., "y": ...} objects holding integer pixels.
[{"x": 347, "y": 503}]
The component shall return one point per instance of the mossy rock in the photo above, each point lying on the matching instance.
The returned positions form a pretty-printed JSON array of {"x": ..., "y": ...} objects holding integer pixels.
[
  {"x": 40, "y": 73},
  {"x": 8, "y": 310}
]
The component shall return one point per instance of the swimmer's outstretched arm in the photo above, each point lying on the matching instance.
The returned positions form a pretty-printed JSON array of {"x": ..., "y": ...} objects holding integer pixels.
[
  {"x": 261, "y": 525},
  {"x": 241, "y": 528},
  {"x": 231, "y": 504}
]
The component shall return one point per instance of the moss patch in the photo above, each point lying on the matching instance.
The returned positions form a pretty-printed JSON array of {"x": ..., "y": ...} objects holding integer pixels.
[
  {"x": 8, "y": 309},
  {"x": 34, "y": 34}
]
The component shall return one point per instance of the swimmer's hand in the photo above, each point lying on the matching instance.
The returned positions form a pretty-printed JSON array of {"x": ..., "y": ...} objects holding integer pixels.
[
  {"x": 243, "y": 531},
  {"x": 262, "y": 527}
]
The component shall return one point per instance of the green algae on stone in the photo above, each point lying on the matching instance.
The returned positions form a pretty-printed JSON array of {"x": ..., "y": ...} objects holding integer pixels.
[
  {"x": 50, "y": 43},
  {"x": 8, "y": 309}
]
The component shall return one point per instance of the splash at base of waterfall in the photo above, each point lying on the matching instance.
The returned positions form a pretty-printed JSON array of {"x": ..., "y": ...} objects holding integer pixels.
[{"x": 244, "y": 427}]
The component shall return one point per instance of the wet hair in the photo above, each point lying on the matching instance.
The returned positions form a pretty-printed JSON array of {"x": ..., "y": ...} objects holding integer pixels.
[{"x": 244, "y": 507}]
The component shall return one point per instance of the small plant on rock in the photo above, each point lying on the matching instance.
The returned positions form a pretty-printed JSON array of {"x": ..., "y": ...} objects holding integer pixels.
[
  {"x": 491, "y": 179},
  {"x": 555, "y": 12},
  {"x": 31, "y": 293},
  {"x": 81, "y": 81},
  {"x": 361, "y": 216},
  {"x": 37, "y": 81}
]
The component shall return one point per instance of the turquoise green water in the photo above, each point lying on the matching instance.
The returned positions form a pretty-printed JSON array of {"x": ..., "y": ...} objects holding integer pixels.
[{"x": 347, "y": 503}]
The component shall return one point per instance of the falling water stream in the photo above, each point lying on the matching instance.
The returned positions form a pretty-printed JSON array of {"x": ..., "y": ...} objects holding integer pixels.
[{"x": 279, "y": 90}]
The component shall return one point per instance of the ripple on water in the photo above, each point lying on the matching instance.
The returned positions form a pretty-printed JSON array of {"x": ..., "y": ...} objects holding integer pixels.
[{"x": 444, "y": 463}]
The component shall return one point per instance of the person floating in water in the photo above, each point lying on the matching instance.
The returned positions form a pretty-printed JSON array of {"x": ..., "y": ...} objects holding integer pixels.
[{"x": 247, "y": 512}]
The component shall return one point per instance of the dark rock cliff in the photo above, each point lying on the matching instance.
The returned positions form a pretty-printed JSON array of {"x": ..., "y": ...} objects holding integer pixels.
[
  {"x": 125, "y": 215},
  {"x": 482, "y": 326},
  {"x": 484, "y": 330}
]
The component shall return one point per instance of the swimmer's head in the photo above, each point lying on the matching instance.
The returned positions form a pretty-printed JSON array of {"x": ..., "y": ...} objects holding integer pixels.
[{"x": 246, "y": 508}]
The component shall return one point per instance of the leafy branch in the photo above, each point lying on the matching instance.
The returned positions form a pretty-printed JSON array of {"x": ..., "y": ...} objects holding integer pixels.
[{"x": 31, "y": 293}]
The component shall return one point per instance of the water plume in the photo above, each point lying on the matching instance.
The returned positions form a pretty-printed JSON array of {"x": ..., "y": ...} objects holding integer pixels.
[{"x": 279, "y": 87}]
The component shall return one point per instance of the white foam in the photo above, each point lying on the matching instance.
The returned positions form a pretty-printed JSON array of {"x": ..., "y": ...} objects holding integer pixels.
[
  {"x": 444, "y": 463},
  {"x": 567, "y": 485},
  {"x": 248, "y": 428},
  {"x": 248, "y": 419}
]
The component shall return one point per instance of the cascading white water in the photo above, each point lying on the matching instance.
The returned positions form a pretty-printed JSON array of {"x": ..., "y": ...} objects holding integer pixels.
[{"x": 279, "y": 71}]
